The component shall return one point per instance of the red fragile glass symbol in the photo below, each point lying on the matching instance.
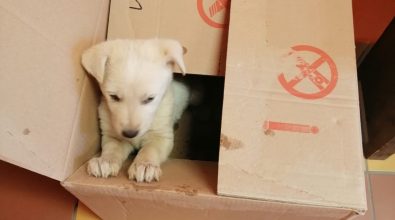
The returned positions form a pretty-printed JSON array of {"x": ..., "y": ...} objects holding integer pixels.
[
  {"x": 310, "y": 72},
  {"x": 215, "y": 8}
]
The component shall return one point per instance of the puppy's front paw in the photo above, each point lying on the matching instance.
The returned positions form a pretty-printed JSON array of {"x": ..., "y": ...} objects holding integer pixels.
[
  {"x": 144, "y": 171},
  {"x": 103, "y": 167}
]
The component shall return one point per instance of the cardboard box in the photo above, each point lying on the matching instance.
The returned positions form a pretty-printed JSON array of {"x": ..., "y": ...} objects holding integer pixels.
[
  {"x": 302, "y": 164},
  {"x": 200, "y": 26},
  {"x": 49, "y": 122}
]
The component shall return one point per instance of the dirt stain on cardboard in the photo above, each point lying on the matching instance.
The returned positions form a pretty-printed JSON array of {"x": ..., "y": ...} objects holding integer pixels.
[
  {"x": 230, "y": 143},
  {"x": 184, "y": 50},
  {"x": 26, "y": 131},
  {"x": 145, "y": 186},
  {"x": 125, "y": 187},
  {"x": 269, "y": 132},
  {"x": 187, "y": 190}
]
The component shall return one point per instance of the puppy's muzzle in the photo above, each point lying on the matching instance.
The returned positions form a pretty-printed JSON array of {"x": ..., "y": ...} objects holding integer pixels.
[{"x": 130, "y": 133}]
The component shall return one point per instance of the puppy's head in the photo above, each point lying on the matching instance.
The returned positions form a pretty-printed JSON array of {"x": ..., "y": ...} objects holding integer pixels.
[{"x": 133, "y": 76}]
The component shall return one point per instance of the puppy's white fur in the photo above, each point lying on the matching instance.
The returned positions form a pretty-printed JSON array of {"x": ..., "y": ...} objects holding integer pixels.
[{"x": 135, "y": 77}]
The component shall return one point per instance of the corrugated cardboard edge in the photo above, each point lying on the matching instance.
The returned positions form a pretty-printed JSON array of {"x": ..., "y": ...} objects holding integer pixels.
[
  {"x": 87, "y": 104},
  {"x": 361, "y": 132},
  {"x": 186, "y": 190},
  {"x": 355, "y": 211}
]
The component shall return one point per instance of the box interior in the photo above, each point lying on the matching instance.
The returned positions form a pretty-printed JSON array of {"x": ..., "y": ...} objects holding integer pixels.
[{"x": 197, "y": 134}]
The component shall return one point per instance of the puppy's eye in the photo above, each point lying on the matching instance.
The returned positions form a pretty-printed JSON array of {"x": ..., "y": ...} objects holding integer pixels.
[
  {"x": 115, "y": 98},
  {"x": 148, "y": 100}
]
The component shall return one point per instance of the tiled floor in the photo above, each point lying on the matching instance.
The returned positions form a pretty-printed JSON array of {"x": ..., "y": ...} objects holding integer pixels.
[
  {"x": 380, "y": 183},
  {"x": 382, "y": 190},
  {"x": 383, "y": 194},
  {"x": 84, "y": 213},
  {"x": 387, "y": 165}
]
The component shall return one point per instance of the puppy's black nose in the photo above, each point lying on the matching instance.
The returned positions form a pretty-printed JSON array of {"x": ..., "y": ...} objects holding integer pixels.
[{"x": 130, "y": 133}]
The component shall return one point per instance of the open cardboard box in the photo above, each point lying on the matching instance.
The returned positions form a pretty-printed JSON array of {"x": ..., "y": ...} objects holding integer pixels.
[{"x": 290, "y": 136}]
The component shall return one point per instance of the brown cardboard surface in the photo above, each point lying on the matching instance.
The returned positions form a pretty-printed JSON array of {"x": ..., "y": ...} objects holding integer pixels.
[
  {"x": 278, "y": 144},
  {"x": 187, "y": 190},
  {"x": 48, "y": 124},
  {"x": 177, "y": 19}
]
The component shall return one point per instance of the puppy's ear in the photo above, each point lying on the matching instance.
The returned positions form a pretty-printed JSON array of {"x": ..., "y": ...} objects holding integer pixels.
[
  {"x": 94, "y": 60},
  {"x": 173, "y": 53}
]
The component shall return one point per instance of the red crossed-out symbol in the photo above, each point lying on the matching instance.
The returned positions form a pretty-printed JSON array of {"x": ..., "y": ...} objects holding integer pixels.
[
  {"x": 215, "y": 8},
  {"x": 310, "y": 72}
]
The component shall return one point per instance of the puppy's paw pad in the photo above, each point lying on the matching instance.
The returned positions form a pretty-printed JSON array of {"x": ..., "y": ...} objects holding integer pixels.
[
  {"x": 144, "y": 172},
  {"x": 103, "y": 167}
]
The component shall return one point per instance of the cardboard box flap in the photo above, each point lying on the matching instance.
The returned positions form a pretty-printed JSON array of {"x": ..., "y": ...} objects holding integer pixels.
[
  {"x": 290, "y": 125},
  {"x": 199, "y": 25},
  {"x": 186, "y": 191},
  {"x": 43, "y": 86}
]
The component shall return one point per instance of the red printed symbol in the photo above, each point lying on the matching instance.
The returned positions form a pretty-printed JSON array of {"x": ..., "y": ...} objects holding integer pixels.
[
  {"x": 280, "y": 126},
  {"x": 323, "y": 82},
  {"x": 216, "y": 12}
]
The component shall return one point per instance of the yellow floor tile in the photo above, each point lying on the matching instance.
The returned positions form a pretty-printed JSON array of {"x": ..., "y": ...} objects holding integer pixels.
[
  {"x": 387, "y": 165},
  {"x": 84, "y": 213}
]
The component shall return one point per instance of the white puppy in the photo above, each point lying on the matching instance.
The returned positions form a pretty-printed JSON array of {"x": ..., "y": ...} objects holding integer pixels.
[{"x": 140, "y": 104}]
